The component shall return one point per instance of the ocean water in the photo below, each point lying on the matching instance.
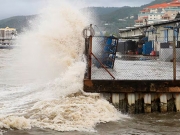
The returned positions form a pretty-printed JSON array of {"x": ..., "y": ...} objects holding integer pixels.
[{"x": 41, "y": 81}]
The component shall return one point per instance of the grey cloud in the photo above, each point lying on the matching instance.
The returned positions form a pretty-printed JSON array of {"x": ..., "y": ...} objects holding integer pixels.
[{"x": 10, "y": 8}]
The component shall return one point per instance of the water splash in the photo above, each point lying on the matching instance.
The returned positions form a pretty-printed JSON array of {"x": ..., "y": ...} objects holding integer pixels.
[
  {"x": 14, "y": 122},
  {"x": 54, "y": 42},
  {"x": 76, "y": 113},
  {"x": 51, "y": 56}
]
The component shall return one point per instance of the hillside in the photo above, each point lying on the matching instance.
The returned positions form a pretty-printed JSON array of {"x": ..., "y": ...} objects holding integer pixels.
[
  {"x": 119, "y": 18},
  {"x": 103, "y": 15},
  {"x": 100, "y": 10},
  {"x": 18, "y": 22}
]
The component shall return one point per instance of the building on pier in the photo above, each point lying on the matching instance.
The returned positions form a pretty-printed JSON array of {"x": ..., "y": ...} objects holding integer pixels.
[
  {"x": 137, "y": 83},
  {"x": 161, "y": 34},
  {"x": 7, "y": 35}
]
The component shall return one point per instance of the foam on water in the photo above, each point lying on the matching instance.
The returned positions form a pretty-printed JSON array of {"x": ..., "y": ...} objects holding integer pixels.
[
  {"x": 14, "y": 122},
  {"x": 72, "y": 113},
  {"x": 80, "y": 113},
  {"x": 51, "y": 61}
]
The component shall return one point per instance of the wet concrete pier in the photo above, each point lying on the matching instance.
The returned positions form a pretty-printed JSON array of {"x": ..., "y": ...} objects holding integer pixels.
[
  {"x": 135, "y": 103},
  {"x": 136, "y": 97}
]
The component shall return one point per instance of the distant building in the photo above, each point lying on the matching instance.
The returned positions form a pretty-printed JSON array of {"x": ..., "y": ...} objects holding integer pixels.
[
  {"x": 158, "y": 13},
  {"x": 6, "y": 35},
  {"x": 123, "y": 20},
  {"x": 131, "y": 17}
]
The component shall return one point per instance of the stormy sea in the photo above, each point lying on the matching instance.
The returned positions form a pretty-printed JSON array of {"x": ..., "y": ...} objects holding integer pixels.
[{"x": 41, "y": 84}]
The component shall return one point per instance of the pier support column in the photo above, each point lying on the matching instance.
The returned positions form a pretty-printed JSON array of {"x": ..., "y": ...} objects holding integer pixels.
[
  {"x": 154, "y": 102},
  {"x": 147, "y": 103},
  {"x": 131, "y": 103},
  {"x": 170, "y": 102},
  {"x": 177, "y": 102},
  {"x": 122, "y": 103},
  {"x": 115, "y": 100},
  {"x": 163, "y": 103},
  {"x": 139, "y": 103},
  {"x": 107, "y": 96}
]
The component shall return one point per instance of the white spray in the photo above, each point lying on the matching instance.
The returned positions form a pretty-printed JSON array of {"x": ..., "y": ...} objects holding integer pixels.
[{"x": 52, "y": 51}]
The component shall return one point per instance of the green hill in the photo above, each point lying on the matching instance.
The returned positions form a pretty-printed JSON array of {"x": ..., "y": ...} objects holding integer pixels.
[
  {"x": 119, "y": 17},
  {"x": 103, "y": 15},
  {"x": 100, "y": 10},
  {"x": 18, "y": 22}
]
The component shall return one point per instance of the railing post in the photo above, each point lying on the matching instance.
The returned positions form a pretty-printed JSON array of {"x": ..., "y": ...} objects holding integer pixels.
[
  {"x": 174, "y": 56},
  {"x": 90, "y": 57},
  {"x": 86, "y": 46}
]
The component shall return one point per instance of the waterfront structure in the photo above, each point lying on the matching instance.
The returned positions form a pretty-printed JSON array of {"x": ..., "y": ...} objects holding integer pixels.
[
  {"x": 138, "y": 84},
  {"x": 160, "y": 32},
  {"x": 6, "y": 35},
  {"x": 158, "y": 13}
]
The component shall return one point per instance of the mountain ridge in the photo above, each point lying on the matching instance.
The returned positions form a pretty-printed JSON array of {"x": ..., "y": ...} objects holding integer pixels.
[{"x": 105, "y": 15}]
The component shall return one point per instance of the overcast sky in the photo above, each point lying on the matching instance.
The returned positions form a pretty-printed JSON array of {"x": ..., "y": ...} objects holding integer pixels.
[{"x": 9, "y": 8}]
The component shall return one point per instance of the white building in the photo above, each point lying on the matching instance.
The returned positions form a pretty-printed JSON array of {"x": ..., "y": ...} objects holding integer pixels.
[
  {"x": 158, "y": 13},
  {"x": 6, "y": 35}
]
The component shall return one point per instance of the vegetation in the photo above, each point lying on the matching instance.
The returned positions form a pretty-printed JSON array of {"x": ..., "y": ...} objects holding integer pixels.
[
  {"x": 109, "y": 19},
  {"x": 112, "y": 19},
  {"x": 18, "y": 22}
]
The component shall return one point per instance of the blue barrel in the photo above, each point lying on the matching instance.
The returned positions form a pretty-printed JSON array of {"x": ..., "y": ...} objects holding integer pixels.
[{"x": 147, "y": 48}]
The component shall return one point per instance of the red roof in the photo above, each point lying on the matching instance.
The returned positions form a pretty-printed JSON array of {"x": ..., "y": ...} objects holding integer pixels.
[
  {"x": 174, "y": 3},
  {"x": 138, "y": 20},
  {"x": 145, "y": 10},
  {"x": 162, "y": 5}
]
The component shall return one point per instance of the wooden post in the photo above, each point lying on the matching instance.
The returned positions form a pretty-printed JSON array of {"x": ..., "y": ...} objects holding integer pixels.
[
  {"x": 131, "y": 103},
  {"x": 163, "y": 102},
  {"x": 115, "y": 100},
  {"x": 177, "y": 102},
  {"x": 90, "y": 57},
  {"x": 147, "y": 103}
]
